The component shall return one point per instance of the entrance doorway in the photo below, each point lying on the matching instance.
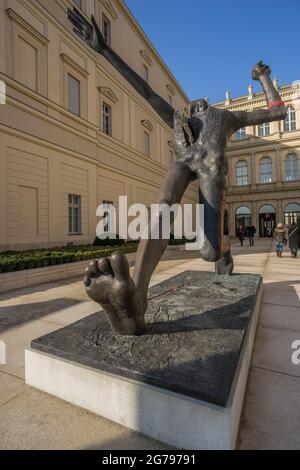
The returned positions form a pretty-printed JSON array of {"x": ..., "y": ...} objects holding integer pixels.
[
  {"x": 267, "y": 220},
  {"x": 242, "y": 218}
]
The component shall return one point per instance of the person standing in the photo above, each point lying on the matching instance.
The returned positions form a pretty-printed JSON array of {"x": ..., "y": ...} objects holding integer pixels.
[
  {"x": 251, "y": 231},
  {"x": 294, "y": 239},
  {"x": 280, "y": 237},
  {"x": 241, "y": 234}
]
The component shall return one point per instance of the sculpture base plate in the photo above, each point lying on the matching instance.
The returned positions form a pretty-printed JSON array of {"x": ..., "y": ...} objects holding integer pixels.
[{"x": 182, "y": 382}]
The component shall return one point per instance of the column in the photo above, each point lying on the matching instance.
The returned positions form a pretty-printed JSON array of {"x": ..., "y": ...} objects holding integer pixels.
[
  {"x": 253, "y": 170},
  {"x": 278, "y": 167}
]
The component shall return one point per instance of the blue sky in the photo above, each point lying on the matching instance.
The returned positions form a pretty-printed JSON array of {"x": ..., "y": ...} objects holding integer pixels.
[{"x": 210, "y": 46}]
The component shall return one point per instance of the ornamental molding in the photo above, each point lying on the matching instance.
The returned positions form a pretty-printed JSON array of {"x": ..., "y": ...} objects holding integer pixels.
[
  {"x": 147, "y": 57},
  {"x": 108, "y": 93},
  {"x": 74, "y": 64},
  {"x": 171, "y": 89},
  {"x": 13, "y": 16},
  {"x": 110, "y": 9},
  {"x": 148, "y": 125}
]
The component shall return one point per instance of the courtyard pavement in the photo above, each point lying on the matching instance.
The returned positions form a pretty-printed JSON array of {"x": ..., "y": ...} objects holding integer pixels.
[{"x": 30, "y": 419}]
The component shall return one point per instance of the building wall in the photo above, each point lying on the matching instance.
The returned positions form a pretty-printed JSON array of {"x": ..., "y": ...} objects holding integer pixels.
[
  {"x": 251, "y": 149},
  {"x": 47, "y": 152}
]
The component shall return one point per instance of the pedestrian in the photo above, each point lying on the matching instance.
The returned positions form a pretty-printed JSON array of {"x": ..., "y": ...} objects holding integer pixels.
[
  {"x": 269, "y": 232},
  {"x": 280, "y": 237},
  {"x": 294, "y": 239},
  {"x": 251, "y": 231},
  {"x": 241, "y": 234}
]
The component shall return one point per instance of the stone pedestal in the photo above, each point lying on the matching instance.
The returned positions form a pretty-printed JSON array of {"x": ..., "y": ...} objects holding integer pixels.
[{"x": 182, "y": 382}]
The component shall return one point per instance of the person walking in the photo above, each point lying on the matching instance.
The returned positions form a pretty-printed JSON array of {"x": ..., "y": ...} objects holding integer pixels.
[
  {"x": 280, "y": 237},
  {"x": 251, "y": 231},
  {"x": 241, "y": 234},
  {"x": 294, "y": 239}
]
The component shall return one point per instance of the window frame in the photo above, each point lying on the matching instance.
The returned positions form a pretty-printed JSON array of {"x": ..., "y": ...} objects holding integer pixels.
[
  {"x": 145, "y": 72},
  {"x": 264, "y": 129},
  {"x": 290, "y": 122},
  {"x": 74, "y": 206},
  {"x": 104, "y": 116},
  {"x": 105, "y": 20},
  {"x": 70, "y": 75},
  {"x": 240, "y": 134},
  {"x": 105, "y": 203},
  {"x": 242, "y": 179},
  {"x": 294, "y": 167},
  {"x": 262, "y": 175},
  {"x": 147, "y": 145}
]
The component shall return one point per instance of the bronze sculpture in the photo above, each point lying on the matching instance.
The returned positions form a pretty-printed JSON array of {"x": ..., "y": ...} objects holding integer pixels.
[{"x": 200, "y": 143}]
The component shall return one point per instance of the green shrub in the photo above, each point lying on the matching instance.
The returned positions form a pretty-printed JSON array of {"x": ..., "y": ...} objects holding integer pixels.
[
  {"x": 109, "y": 241},
  {"x": 30, "y": 259}
]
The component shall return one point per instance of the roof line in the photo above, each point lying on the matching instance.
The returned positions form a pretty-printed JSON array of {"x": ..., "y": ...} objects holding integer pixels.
[{"x": 139, "y": 29}]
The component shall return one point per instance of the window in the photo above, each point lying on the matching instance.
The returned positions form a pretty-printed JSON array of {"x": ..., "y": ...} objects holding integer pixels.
[
  {"x": 242, "y": 173},
  {"x": 74, "y": 214},
  {"x": 107, "y": 214},
  {"x": 266, "y": 170},
  {"x": 292, "y": 214},
  {"x": 106, "y": 30},
  {"x": 171, "y": 157},
  {"x": 170, "y": 100},
  {"x": 145, "y": 73},
  {"x": 106, "y": 119},
  {"x": 78, "y": 3},
  {"x": 291, "y": 167},
  {"x": 290, "y": 120},
  {"x": 147, "y": 144},
  {"x": 264, "y": 129},
  {"x": 73, "y": 95},
  {"x": 240, "y": 134}
]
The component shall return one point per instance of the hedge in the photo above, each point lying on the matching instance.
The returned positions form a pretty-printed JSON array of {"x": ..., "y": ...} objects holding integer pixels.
[{"x": 30, "y": 259}]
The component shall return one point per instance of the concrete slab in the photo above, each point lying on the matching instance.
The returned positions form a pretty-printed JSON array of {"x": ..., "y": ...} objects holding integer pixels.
[
  {"x": 37, "y": 421},
  {"x": 17, "y": 340},
  {"x": 280, "y": 317},
  {"x": 273, "y": 350},
  {"x": 271, "y": 416},
  {"x": 10, "y": 387}
]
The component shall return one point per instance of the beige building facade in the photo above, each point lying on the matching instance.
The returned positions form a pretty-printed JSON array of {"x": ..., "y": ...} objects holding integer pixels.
[
  {"x": 73, "y": 132},
  {"x": 263, "y": 182}
]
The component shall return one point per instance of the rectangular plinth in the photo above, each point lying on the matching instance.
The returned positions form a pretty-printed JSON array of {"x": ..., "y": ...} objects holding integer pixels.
[{"x": 182, "y": 382}]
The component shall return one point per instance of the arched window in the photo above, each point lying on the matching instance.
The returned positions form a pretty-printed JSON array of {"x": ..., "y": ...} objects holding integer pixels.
[
  {"x": 290, "y": 120},
  {"x": 291, "y": 167},
  {"x": 264, "y": 129},
  {"x": 242, "y": 173},
  {"x": 292, "y": 214},
  {"x": 265, "y": 167}
]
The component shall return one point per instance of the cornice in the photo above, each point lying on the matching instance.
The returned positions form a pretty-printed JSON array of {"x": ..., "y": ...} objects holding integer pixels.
[
  {"x": 147, "y": 124},
  {"x": 19, "y": 20},
  {"x": 108, "y": 93},
  {"x": 74, "y": 64},
  {"x": 109, "y": 8},
  {"x": 147, "y": 57}
]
